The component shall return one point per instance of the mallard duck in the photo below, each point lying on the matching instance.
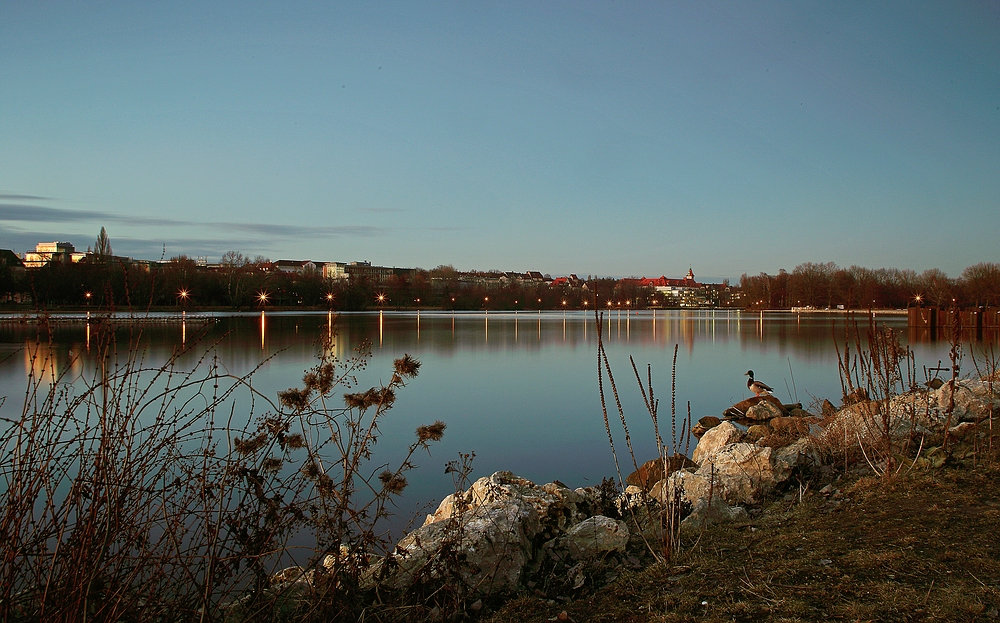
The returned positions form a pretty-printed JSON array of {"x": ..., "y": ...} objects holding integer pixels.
[{"x": 758, "y": 388}]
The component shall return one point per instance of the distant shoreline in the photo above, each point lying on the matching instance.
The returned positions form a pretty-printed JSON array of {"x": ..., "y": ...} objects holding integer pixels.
[
  {"x": 883, "y": 312},
  {"x": 212, "y": 315}
]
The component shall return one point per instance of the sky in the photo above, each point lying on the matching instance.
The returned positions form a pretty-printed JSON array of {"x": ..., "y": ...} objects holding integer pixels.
[{"x": 598, "y": 138}]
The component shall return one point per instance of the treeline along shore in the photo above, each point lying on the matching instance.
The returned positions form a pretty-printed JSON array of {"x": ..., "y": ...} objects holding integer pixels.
[{"x": 243, "y": 283}]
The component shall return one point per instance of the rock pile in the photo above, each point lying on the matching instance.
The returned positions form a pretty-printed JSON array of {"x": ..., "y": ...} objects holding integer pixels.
[{"x": 506, "y": 534}]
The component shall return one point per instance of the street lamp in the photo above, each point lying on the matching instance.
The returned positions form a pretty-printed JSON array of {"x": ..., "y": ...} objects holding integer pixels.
[
  {"x": 262, "y": 298},
  {"x": 87, "y": 296},
  {"x": 380, "y": 298}
]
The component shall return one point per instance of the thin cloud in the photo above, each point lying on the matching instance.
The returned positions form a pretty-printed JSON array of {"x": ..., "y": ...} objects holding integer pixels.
[
  {"x": 4, "y": 197},
  {"x": 25, "y": 213},
  {"x": 264, "y": 229},
  {"x": 39, "y": 214}
]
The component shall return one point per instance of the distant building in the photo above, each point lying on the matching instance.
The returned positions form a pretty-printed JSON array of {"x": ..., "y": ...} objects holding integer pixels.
[
  {"x": 572, "y": 281},
  {"x": 376, "y": 274},
  {"x": 334, "y": 270},
  {"x": 486, "y": 279},
  {"x": 47, "y": 252},
  {"x": 9, "y": 259},
  {"x": 293, "y": 266},
  {"x": 686, "y": 292}
]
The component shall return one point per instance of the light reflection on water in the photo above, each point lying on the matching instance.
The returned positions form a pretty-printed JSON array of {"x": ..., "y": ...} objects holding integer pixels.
[{"x": 518, "y": 389}]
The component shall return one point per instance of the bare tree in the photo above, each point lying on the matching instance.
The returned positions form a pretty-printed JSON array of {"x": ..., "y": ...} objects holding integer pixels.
[{"x": 982, "y": 283}]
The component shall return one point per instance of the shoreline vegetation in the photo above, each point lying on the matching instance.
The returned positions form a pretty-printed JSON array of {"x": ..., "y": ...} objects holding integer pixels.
[
  {"x": 125, "y": 498},
  {"x": 83, "y": 314},
  {"x": 239, "y": 282}
]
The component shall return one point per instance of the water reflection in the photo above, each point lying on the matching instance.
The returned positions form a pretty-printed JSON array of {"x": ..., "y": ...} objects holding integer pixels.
[
  {"x": 519, "y": 391},
  {"x": 801, "y": 336},
  {"x": 277, "y": 330}
]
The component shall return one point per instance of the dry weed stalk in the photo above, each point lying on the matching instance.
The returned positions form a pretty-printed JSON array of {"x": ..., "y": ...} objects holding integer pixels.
[
  {"x": 131, "y": 493},
  {"x": 987, "y": 364},
  {"x": 672, "y": 509},
  {"x": 879, "y": 369}
]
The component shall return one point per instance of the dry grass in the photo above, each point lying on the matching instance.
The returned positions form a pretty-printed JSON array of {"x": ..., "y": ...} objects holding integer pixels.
[
  {"x": 921, "y": 547},
  {"x": 131, "y": 494}
]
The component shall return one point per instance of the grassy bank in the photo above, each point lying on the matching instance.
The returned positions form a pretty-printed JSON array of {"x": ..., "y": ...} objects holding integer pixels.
[{"x": 922, "y": 547}]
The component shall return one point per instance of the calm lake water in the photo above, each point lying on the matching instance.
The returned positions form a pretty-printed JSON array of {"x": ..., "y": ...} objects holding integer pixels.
[{"x": 519, "y": 390}]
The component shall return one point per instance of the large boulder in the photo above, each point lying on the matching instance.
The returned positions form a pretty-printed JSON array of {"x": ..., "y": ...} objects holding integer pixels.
[
  {"x": 556, "y": 506},
  {"x": 688, "y": 487},
  {"x": 483, "y": 549},
  {"x": 973, "y": 400},
  {"x": 595, "y": 536},
  {"x": 710, "y": 511},
  {"x": 483, "y": 540},
  {"x": 854, "y": 422},
  {"x": 744, "y": 472},
  {"x": 801, "y": 453},
  {"x": 786, "y": 430},
  {"x": 756, "y": 432},
  {"x": 764, "y": 411},
  {"x": 656, "y": 469},
  {"x": 699, "y": 497},
  {"x": 739, "y": 410},
  {"x": 714, "y": 440},
  {"x": 705, "y": 424},
  {"x": 867, "y": 423}
]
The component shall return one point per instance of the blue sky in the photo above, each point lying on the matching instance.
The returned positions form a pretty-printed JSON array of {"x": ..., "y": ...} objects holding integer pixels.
[{"x": 612, "y": 138}]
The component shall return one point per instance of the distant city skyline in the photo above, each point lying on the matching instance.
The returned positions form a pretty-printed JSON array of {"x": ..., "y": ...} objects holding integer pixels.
[{"x": 569, "y": 137}]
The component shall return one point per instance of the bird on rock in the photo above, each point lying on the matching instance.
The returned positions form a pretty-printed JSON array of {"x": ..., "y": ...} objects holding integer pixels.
[{"x": 758, "y": 388}]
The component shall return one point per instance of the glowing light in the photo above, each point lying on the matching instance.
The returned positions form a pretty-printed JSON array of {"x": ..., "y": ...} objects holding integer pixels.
[{"x": 262, "y": 297}]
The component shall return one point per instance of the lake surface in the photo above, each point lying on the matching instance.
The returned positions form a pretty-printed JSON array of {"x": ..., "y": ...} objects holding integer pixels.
[{"x": 519, "y": 390}]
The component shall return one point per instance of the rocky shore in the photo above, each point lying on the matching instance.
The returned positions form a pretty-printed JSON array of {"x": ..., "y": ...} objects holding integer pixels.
[{"x": 506, "y": 536}]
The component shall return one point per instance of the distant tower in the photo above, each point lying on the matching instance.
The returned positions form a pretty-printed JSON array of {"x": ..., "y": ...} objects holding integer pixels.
[{"x": 690, "y": 275}]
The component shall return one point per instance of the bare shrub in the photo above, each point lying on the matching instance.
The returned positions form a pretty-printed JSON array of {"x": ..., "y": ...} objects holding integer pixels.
[
  {"x": 877, "y": 370},
  {"x": 131, "y": 493}
]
